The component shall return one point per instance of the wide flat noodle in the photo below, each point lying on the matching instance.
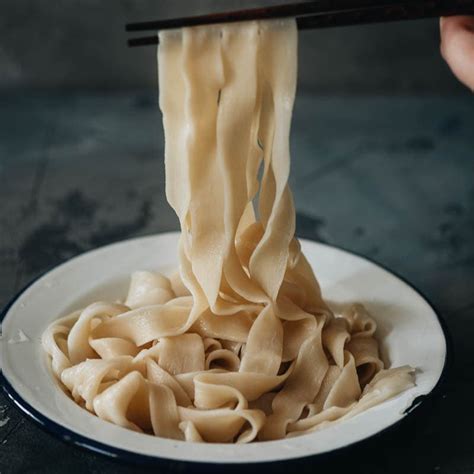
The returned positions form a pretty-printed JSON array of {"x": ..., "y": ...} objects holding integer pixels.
[{"x": 238, "y": 344}]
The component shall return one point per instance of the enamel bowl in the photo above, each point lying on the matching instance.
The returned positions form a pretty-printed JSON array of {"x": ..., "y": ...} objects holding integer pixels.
[{"x": 409, "y": 328}]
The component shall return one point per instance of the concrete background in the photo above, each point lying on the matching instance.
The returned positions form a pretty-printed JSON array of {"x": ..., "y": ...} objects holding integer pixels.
[
  {"x": 389, "y": 178},
  {"x": 81, "y": 43}
]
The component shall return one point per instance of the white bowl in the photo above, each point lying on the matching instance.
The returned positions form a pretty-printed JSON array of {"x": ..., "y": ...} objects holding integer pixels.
[{"x": 410, "y": 330}]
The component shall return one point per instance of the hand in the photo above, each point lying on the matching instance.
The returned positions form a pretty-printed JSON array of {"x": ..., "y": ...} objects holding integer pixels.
[{"x": 457, "y": 46}]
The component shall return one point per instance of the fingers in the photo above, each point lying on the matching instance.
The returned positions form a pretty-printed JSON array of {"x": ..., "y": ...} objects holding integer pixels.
[{"x": 457, "y": 46}]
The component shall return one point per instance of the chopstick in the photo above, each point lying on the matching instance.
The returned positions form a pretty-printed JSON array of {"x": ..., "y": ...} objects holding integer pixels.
[
  {"x": 316, "y": 14},
  {"x": 276, "y": 11},
  {"x": 389, "y": 13}
]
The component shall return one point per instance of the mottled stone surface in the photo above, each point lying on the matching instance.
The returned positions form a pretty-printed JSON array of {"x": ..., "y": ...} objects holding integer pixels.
[{"x": 390, "y": 178}]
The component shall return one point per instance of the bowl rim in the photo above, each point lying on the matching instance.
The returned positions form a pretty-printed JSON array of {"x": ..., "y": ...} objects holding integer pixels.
[{"x": 90, "y": 444}]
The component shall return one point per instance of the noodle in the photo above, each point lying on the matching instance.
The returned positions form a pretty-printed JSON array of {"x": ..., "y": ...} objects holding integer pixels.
[{"x": 239, "y": 345}]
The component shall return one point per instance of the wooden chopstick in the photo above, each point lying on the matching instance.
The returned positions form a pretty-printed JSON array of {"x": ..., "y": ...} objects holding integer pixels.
[
  {"x": 276, "y": 11},
  {"x": 395, "y": 12},
  {"x": 318, "y": 14}
]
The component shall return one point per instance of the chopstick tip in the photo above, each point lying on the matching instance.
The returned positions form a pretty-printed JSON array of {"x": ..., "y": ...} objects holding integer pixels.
[{"x": 142, "y": 41}]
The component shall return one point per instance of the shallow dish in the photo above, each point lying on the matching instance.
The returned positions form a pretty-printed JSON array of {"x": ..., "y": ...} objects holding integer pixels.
[{"x": 409, "y": 328}]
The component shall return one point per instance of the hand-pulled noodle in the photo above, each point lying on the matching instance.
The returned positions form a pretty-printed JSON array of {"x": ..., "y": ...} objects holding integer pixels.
[{"x": 238, "y": 345}]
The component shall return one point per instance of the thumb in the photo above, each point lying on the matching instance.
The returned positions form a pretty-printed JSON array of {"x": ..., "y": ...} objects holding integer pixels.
[{"x": 457, "y": 46}]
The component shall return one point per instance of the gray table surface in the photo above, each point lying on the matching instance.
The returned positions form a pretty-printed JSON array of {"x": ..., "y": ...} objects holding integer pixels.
[{"x": 390, "y": 178}]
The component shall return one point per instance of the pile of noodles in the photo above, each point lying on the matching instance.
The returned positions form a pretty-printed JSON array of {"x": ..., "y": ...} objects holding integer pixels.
[{"x": 239, "y": 344}]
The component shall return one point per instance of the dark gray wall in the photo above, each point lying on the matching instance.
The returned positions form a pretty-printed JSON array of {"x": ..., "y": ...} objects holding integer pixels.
[{"x": 81, "y": 43}]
